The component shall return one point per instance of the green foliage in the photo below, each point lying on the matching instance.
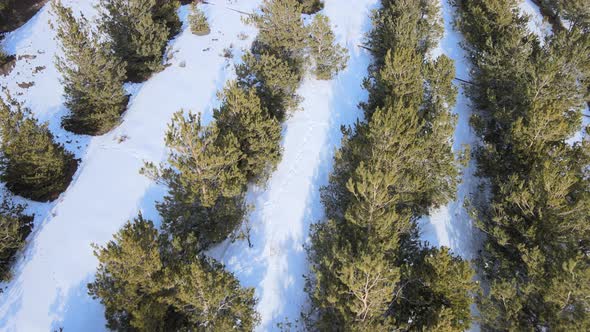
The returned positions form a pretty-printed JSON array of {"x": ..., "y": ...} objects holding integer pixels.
[
  {"x": 198, "y": 21},
  {"x": 166, "y": 11},
  {"x": 281, "y": 31},
  {"x": 130, "y": 279},
  {"x": 369, "y": 270},
  {"x": 311, "y": 6},
  {"x": 275, "y": 82},
  {"x": 329, "y": 58},
  {"x": 139, "y": 30},
  {"x": 210, "y": 299},
  {"x": 143, "y": 289},
  {"x": 3, "y": 57},
  {"x": 32, "y": 164},
  {"x": 206, "y": 185},
  {"x": 14, "y": 229},
  {"x": 259, "y": 135},
  {"x": 91, "y": 74},
  {"x": 529, "y": 99},
  {"x": 403, "y": 24},
  {"x": 436, "y": 290}
]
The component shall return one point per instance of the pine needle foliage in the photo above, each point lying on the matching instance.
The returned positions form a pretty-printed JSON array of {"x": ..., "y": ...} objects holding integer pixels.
[
  {"x": 328, "y": 57},
  {"x": 15, "y": 226},
  {"x": 91, "y": 74},
  {"x": 259, "y": 134},
  {"x": 311, "y": 6},
  {"x": 198, "y": 21},
  {"x": 32, "y": 164},
  {"x": 139, "y": 31},
  {"x": 370, "y": 272},
  {"x": 529, "y": 99},
  {"x": 144, "y": 289},
  {"x": 205, "y": 196}
]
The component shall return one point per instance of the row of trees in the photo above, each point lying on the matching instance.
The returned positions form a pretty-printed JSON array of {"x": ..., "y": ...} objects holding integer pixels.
[
  {"x": 161, "y": 281},
  {"x": 528, "y": 99},
  {"x": 128, "y": 45},
  {"x": 370, "y": 271}
]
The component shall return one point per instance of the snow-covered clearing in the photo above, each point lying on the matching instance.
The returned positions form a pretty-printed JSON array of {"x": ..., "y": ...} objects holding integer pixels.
[
  {"x": 290, "y": 202},
  {"x": 49, "y": 287},
  {"x": 451, "y": 225}
]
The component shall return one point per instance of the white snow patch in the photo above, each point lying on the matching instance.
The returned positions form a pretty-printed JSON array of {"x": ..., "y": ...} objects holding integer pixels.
[
  {"x": 537, "y": 24},
  {"x": 284, "y": 210},
  {"x": 49, "y": 287},
  {"x": 451, "y": 225}
]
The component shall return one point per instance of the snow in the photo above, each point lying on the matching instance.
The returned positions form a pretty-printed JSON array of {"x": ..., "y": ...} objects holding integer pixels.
[
  {"x": 451, "y": 225},
  {"x": 49, "y": 287},
  {"x": 537, "y": 23},
  {"x": 290, "y": 202}
]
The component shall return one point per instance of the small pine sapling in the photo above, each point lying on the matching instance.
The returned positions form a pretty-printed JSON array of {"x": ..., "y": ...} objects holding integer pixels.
[{"x": 198, "y": 21}]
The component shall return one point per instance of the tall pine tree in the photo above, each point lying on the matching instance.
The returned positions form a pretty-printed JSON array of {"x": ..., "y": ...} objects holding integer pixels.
[
  {"x": 139, "y": 30},
  {"x": 92, "y": 76}
]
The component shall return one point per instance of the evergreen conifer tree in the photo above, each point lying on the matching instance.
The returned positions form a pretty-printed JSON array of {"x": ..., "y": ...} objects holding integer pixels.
[
  {"x": 206, "y": 186},
  {"x": 242, "y": 115},
  {"x": 139, "y": 30},
  {"x": 14, "y": 229},
  {"x": 328, "y": 57},
  {"x": 198, "y": 21},
  {"x": 275, "y": 82},
  {"x": 281, "y": 31},
  {"x": 145, "y": 289},
  {"x": 210, "y": 299},
  {"x": 392, "y": 168},
  {"x": 92, "y": 76},
  {"x": 311, "y": 6},
  {"x": 529, "y": 98},
  {"x": 130, "y": 280},
  {"x": 33, "y": 165}
]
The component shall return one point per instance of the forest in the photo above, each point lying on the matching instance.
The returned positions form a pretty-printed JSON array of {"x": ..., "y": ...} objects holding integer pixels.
[{"x": 284, "y": 165}]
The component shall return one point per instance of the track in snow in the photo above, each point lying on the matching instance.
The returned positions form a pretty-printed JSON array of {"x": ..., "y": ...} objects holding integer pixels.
[{"x": 288, "y": 205}]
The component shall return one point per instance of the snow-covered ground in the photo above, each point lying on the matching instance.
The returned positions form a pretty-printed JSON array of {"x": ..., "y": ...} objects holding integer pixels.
[
  {"x": 537, "y": 23},
  {"x": 284, "y": 210},
  {"x": 49, "y": 287},
  {"x": 451, "y": 225}
]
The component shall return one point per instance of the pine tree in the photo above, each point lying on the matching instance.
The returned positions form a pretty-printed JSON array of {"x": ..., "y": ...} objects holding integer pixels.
[
  {"x": 210, "y": 299},
  {"x": 14, "y": 229},
  {"x": 145, "y": 289},
  {"x": 529, "y": 98},
  {"x": 206, "y": 186},
  {"x": 33, "y": 165},
  {"x": 275, "y": 82},
  {"x": 436, "y": 291},
  {"x": 130, "y": 280},
  {"x": 281, "y": 31},
  {"x": 329, "y": 58},
  {"x": 259, "y": 135},
  {"x": 92, "y": 76},
  {"x": 198, "y": 21},
  {"x": 139, "y": 30},
  {"x": 368, "y": 263},
  {"x": 166, "y": 11},
  {"x": 311, "y": 6}
]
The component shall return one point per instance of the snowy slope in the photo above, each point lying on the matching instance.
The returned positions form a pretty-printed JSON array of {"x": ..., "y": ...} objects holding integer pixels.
[
  {"x": 290, "y": 202},
  {"x": 49, "y": 288},
  {"x": 451, "y": 225}
]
